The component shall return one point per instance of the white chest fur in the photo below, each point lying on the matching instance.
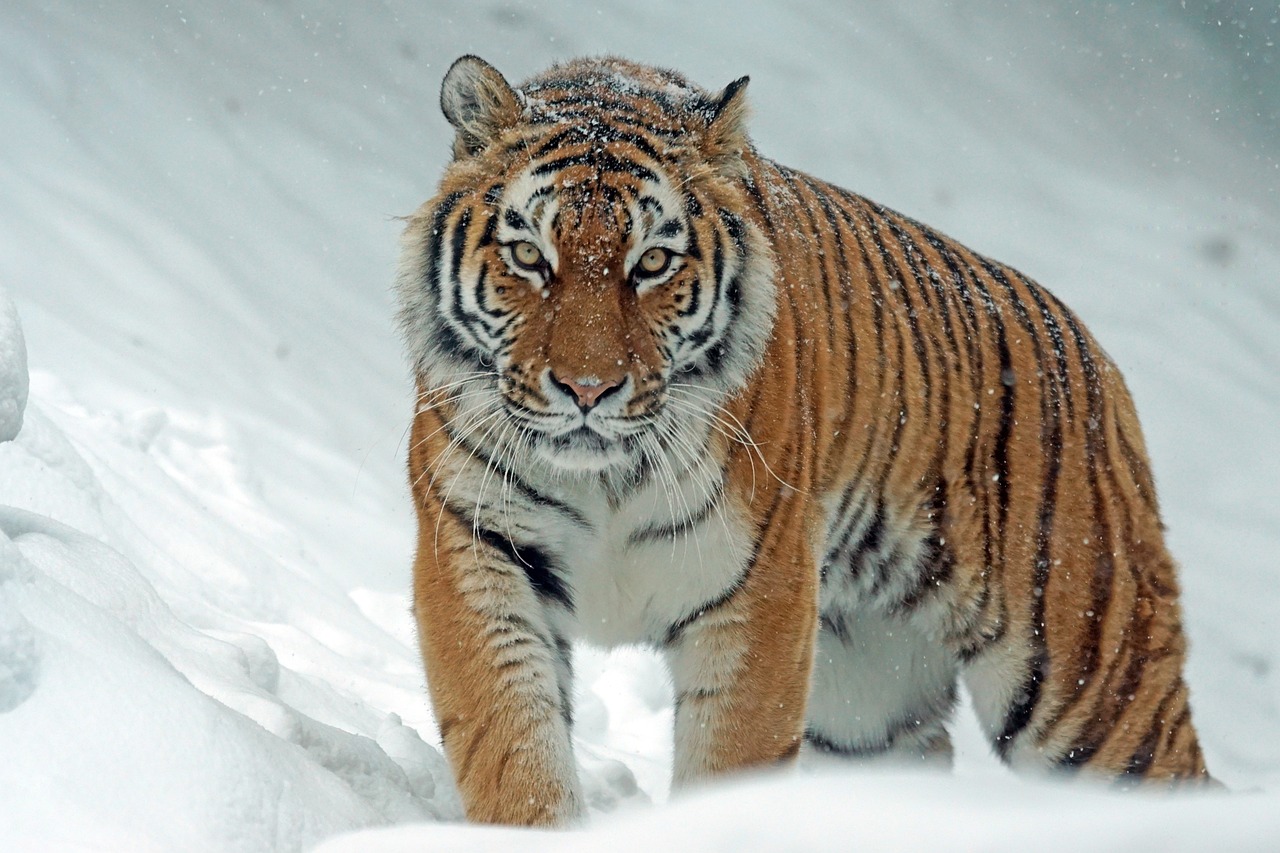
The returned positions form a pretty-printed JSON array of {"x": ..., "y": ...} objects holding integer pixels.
[{"x": 649, "y": 561}]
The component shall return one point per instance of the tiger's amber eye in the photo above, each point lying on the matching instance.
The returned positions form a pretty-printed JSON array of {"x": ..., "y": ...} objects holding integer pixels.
[
  {"x": 653, "y": 262},
  {"x": 527, "y": 255}
]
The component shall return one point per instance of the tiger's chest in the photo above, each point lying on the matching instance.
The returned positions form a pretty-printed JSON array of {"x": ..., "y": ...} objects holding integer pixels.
[{"x": 644, "y": 563}]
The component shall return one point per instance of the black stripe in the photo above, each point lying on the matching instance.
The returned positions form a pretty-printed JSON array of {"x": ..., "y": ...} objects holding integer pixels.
[
  {"x": 698, "y": 337},
  {"x": 1019, "y": 715},
  {"x": 594, "y": 135},
  {"x": 482, "y": 300},
  {"x": 1145, "y": 753},
  {"x": 669, "y": 229},
  {"x": 436, "y": 238},
  {"x": 846, "y": 311},
  {"x": 525, "y": 489},
  {"x": 829, "y": 747},
  {"x": 602, "y": 161},
  {"x": 564, "y": 651},
  {"x": 675, "y": 631},
  {"x": 1024, "y": 704},
  {"x": 661, "y": 532},
  {"x": 490, "y": 226},
  {"x": 935, "y": 566},
  {"x": 820, "y": 348},
  {"x": 459, "y": 244},
  {"x": 913, "y": 721},
  {"x": 993, "y": 589},
  {"x": 910, "y": 252},
  {"x": 582, "y": 115},
  {"x": 692, "y": 206},
  {"x": 876, "y": 299},
  {"x": 867, "y": 552},
  {"x": 899, "y": 423},
  {"x": 515, "y": 220},
  {"x": 757, "y": 197},
  {"x": 1056, "y": 340},
  {"x": 537, "y": 564},
  {"x": 915, "y": 258},
  {"x": 895, "y": 274}
]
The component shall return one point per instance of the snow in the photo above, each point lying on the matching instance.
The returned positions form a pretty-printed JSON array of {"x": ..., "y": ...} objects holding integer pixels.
[
  {"x": 13, "y": 369},
  {"x": 882, "y": 812},
  {"x": 204, "y": 528}
]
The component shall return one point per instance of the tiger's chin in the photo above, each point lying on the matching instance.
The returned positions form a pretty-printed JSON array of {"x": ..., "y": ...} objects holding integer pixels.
[{"x": 584, "y": 451}]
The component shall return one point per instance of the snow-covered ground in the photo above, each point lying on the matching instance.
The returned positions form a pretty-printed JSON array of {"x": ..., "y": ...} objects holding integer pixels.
[{"x": 204, "y": 529}]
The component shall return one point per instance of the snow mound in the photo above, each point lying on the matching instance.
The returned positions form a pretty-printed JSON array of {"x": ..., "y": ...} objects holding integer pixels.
[
  {"x": 887, "y": 811},
  {"x": 201, "y": 737},
  {"x": 13, "y": 371}
]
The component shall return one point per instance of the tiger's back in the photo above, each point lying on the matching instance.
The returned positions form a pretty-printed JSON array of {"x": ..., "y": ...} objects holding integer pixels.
[{"x": 825, "y": 458}]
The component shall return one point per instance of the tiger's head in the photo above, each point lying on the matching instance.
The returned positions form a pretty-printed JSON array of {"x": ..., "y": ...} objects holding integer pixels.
[{"x": 586, "y": 283}]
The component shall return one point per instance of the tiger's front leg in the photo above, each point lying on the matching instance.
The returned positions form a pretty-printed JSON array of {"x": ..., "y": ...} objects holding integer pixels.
[
  {"x": 497, "y": 677},
  {"x": 741, "y": 667}
]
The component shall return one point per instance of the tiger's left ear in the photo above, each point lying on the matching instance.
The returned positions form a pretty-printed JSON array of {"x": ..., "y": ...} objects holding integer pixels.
[
  {"x": 726, "y": 135},
  {"x": 479, "y": 102}
]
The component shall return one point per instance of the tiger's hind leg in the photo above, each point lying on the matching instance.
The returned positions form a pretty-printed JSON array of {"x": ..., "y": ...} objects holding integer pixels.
[
  {"x": 1098, "y": 691},
  {"x": 881, "y": 690},
  {"x": 1084, "y": 672}
]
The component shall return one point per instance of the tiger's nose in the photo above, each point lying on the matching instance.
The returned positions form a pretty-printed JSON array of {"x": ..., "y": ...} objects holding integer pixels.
[{"x": 587, "y": 392}]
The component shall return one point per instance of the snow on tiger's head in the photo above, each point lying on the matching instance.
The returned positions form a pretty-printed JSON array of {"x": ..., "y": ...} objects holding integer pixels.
[{"x": 589, "y": 264}]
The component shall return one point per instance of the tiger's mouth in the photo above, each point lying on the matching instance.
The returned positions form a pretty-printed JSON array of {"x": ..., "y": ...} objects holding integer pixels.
[
  {"x": 584, "y": 449},
  {"x": 611, "y": 431}
]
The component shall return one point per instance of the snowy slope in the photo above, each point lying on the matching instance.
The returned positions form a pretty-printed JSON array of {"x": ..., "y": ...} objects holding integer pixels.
[{"x": 204, "y": 533}]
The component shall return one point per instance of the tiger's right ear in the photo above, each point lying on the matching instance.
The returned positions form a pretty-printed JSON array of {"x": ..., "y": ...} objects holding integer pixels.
[
  {"x": 479, "y": 102},
  {"x": 725, "y": 138}
]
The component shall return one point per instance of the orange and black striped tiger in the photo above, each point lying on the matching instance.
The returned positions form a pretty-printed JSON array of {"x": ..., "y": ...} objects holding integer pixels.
[{"x": 824, "y": 458}]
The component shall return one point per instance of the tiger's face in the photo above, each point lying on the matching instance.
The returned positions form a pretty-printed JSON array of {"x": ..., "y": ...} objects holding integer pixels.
[{"x": 581, "y": 285}]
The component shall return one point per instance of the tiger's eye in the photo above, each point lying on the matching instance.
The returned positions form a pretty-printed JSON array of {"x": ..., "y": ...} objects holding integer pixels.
[
  {"x": 653, "y": 262},
  {"x": 527, "y": 255}
]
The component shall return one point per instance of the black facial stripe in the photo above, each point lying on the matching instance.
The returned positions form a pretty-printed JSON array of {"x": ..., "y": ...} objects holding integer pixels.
[
  {"x": 490, "y": 226},
  {"x": 695, "y": 299},
  {"x": 595, "y": 135},
  {"x": 436, "y": 240},
  {"x": 602, "y": 161},
  {"x": 650, "y": 205},
  {"x": 488, "y": 336},
  {"x": 515, "y": 221},
  {"x": 669, "y": 229},
  {"x": 709, "y": 328},
  {"x": 458, "y": 240},
  {"x": 482, "y": 300}
]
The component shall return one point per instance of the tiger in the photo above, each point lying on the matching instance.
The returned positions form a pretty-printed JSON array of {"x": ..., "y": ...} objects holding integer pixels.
[{"x": 824, "y": 459}]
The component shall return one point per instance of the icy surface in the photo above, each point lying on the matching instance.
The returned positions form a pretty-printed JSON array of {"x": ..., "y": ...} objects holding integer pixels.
[{"x": 204, "y": 530}]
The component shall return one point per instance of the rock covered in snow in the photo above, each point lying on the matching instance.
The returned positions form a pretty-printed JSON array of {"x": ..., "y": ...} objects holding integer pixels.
[{"x": 13, "y": 369}]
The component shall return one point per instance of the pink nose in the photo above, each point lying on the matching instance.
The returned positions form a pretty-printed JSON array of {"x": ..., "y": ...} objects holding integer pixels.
[{"x": 587, "y": 393}]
